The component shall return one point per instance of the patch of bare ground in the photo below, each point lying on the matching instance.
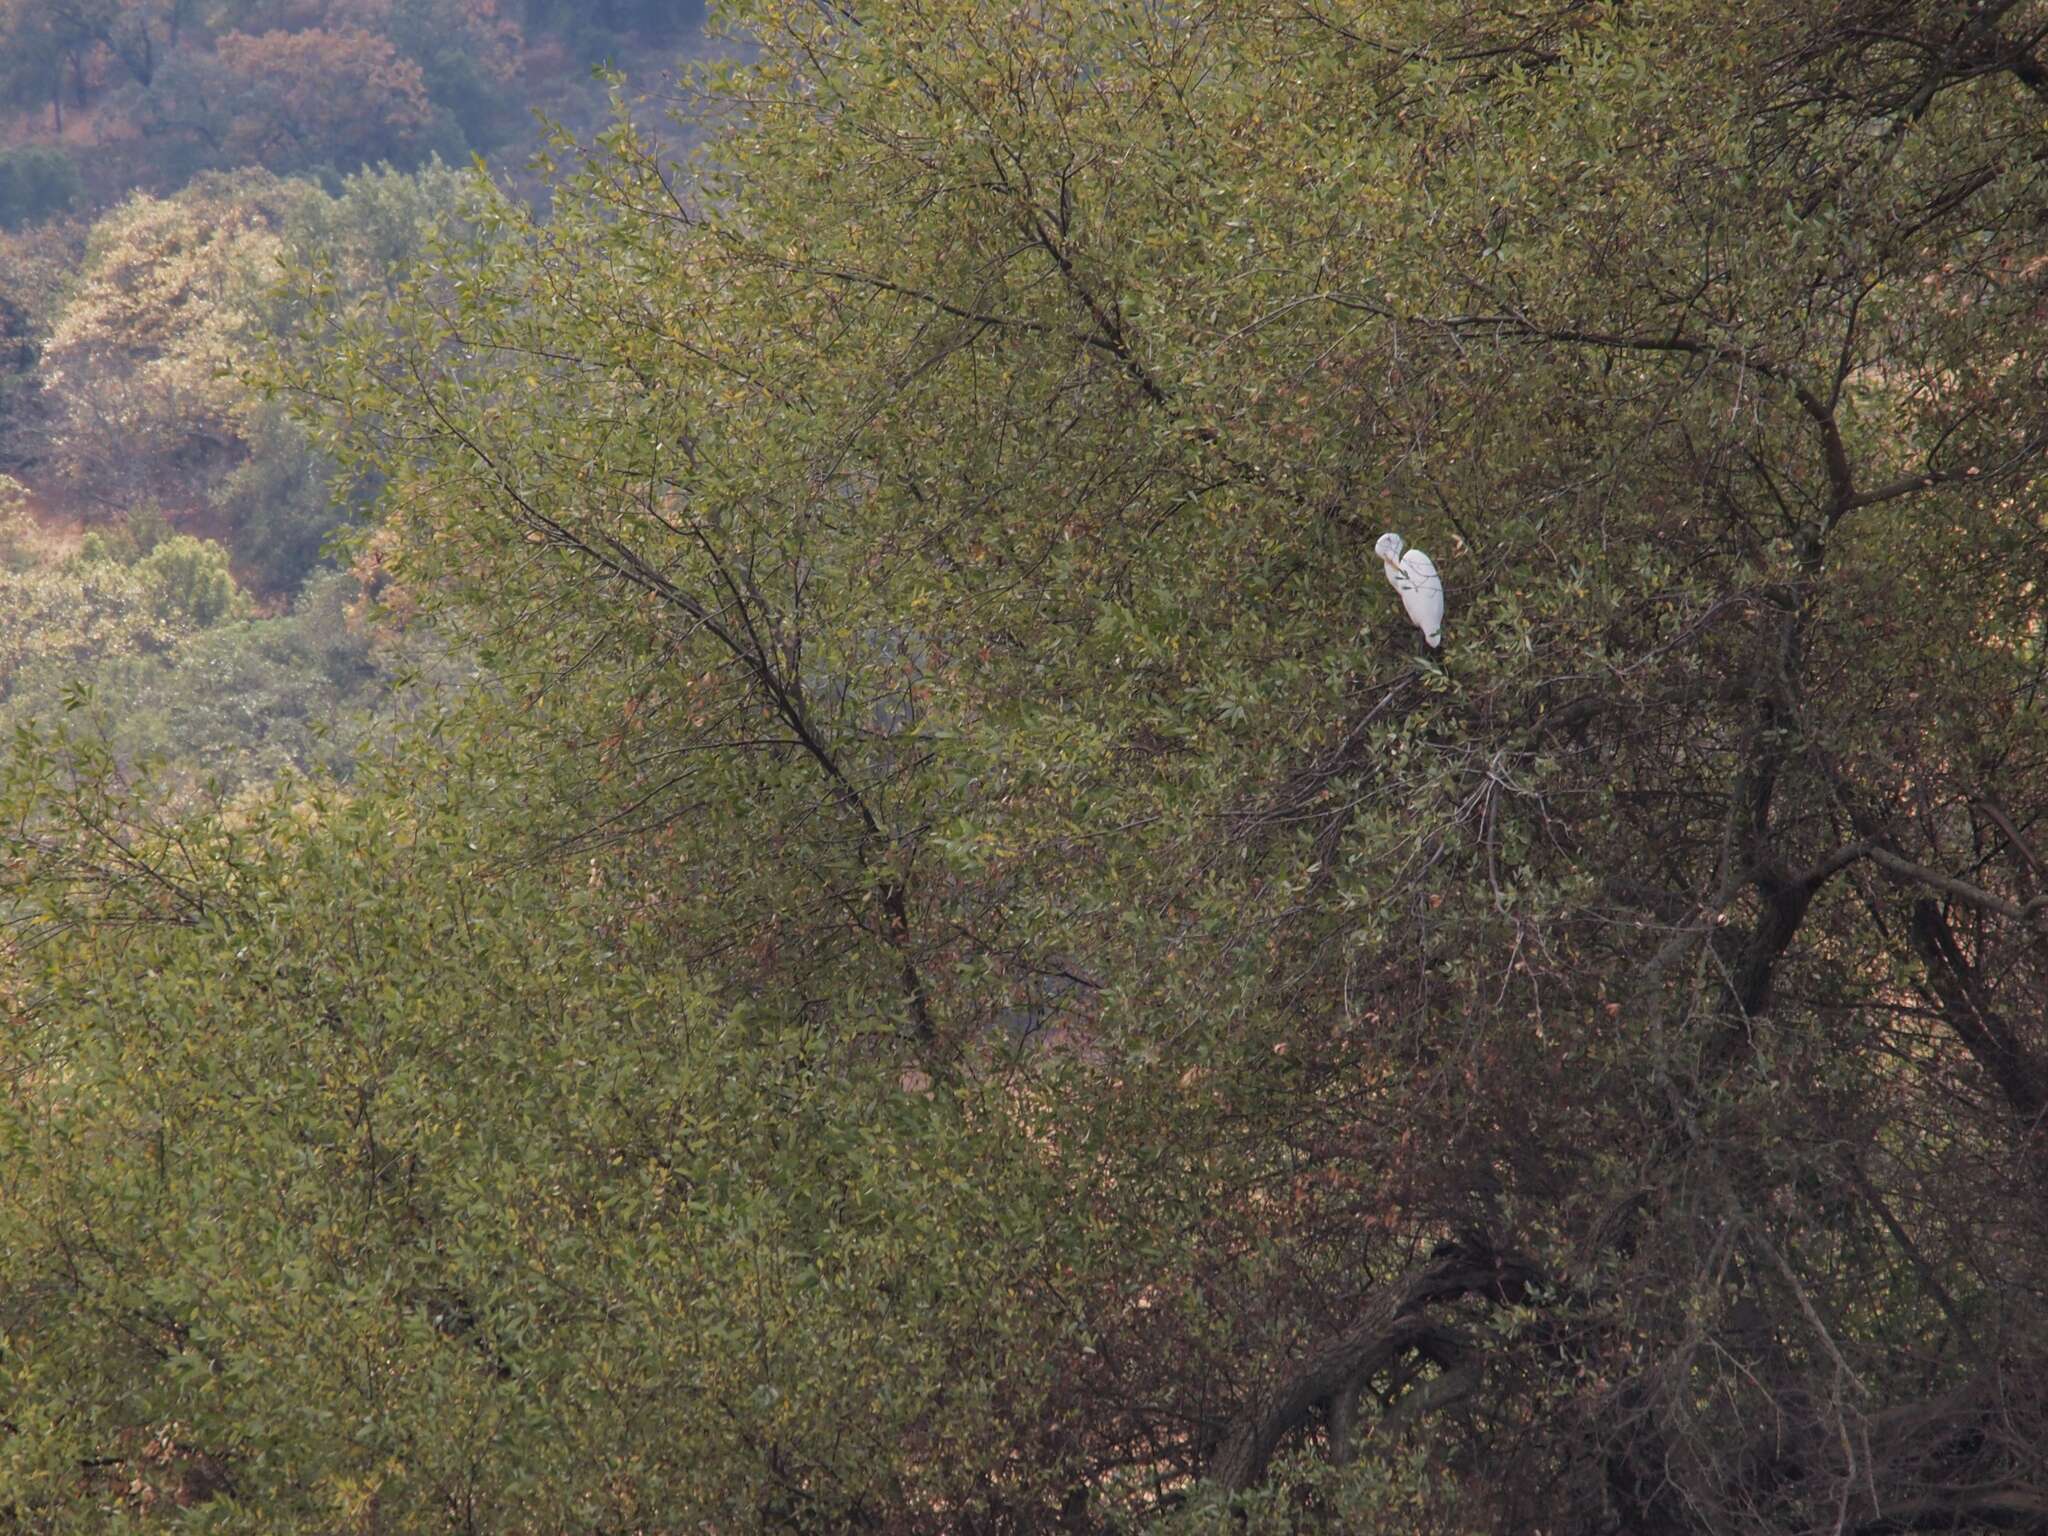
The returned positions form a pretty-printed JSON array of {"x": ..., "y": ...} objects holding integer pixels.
[
  {"x": 61, "y": 523},
  {"x": 58, "y": 529}
]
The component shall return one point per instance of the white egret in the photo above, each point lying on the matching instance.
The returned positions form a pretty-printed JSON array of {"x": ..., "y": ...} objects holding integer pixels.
[{"x": 1422, "y": 590}]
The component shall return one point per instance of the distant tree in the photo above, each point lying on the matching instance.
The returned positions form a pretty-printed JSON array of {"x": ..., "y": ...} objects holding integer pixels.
[
  {"x": 37, "y": 267},
  {"x": 284, "y": 499},
  {"x": 73, "y": 617},
  {"x": 133, "y": 32},
  {"x": 281, "y": 501},
  {"x": 317, "y": 98},
  {"x": 52, "y": 40},
  {"x": 469, "y": 55},
  {"x": 34, "y": 56},
  {"x": 435, "y": 33},
  {"x": 366, "y": 236},
  {"x": 466, "y": 52},
  {"x": 142, "y": 380},
  {"x": 188, "y": 578},
  {"x": 36, "y": 182},
  {"x": 133, "y": 368},
  {"x": 240, "y": 700}
]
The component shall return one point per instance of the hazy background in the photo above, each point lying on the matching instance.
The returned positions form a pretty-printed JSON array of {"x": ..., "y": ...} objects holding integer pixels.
[{"x": 163, "y": 531}]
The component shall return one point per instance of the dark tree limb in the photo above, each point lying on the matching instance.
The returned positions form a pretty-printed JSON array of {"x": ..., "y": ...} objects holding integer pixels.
[
  {"x": 1966, "y": 1008},
  {"x": 1393, "y": 1324}
]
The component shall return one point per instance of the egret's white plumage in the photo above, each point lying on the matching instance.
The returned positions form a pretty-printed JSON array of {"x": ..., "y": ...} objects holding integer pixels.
[{"x": 1422, "y": 591}]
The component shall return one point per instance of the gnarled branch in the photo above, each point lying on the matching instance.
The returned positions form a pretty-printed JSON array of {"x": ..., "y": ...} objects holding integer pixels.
[{"x": 1393, "y": 1324}]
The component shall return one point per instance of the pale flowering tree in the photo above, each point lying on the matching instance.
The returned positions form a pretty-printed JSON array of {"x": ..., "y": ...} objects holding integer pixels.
[{"x": 137, "y": 365}]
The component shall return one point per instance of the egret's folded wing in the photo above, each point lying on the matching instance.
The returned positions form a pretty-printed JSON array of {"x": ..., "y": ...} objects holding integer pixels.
[{"x": 1423, "y": 596}]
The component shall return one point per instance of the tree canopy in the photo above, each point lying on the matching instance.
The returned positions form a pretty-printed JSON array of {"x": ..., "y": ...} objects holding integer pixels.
[{"x": 961, "y": 969}]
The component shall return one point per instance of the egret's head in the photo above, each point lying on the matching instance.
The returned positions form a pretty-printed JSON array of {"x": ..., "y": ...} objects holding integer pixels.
[{"x": 1389, "y": 548}]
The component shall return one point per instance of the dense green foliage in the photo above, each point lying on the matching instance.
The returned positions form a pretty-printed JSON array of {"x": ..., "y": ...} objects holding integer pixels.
[
  {"x": 181, "y": 678},
  {"x": 960, "y": 969},
  {"x": 188, "y": 578},
  {"x": 36, "y": 181},
  {"x": 567, "y": 1249}
]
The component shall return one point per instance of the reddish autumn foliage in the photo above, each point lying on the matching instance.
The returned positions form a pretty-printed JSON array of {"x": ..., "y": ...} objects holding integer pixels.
[
  {"x": 476, "y": 29},
  {"x": 319, "y": 95}
]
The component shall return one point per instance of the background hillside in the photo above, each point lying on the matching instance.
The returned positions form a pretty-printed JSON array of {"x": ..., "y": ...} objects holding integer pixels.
[
  {"x": 160, "y": 162},
  {"x": 111, "y": 96}
]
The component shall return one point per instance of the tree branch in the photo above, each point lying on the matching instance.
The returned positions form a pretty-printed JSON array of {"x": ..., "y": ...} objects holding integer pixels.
[{"x": 1393, "y": 1324}]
